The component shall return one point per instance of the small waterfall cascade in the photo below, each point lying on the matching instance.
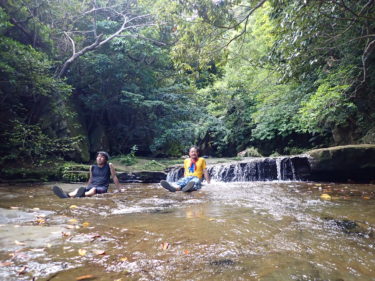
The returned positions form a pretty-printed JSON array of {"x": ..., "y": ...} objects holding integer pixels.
[
  {"x": 175, "y": 173},
  {"x": 293, "y": 168}
]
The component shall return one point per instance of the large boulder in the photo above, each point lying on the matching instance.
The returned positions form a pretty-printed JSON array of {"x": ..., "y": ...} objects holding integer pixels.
[{"x": 343, "y": 163}]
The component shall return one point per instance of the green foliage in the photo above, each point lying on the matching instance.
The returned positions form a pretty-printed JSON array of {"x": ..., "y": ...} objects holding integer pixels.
[
  {"x": 73, "y": 172},
  {"x": 74, "y": 167},
  {"x": 129, "y": 159},
  {"x": 328, "y": 107},
  {"x": 154, "y": 165},
  {"x": 293, "y": 150},
  {"x": 206, "y": 72},
  {"x": 30, "y": 144},
  {"x": 251, "y": 152}
]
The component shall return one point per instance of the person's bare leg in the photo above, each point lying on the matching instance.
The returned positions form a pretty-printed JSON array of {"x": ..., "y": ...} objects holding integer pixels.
[
  {"x": 73, "y": 193},
  {"x": 91, "y": 192}
]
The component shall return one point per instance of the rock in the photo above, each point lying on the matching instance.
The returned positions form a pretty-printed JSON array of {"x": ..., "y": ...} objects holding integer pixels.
[
  {"x": 249, "y": 152},
  {"x": 351, "y": 227},
  {"x": 141, "y": 177},
  {"x": 343, "y": 163}
]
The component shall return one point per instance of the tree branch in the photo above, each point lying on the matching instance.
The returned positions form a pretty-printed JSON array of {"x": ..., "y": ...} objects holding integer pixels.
[
  {"x": 99, "y": 41},
  {"x": 69, "y": 61},
  {"x": 72, "y": 42}
]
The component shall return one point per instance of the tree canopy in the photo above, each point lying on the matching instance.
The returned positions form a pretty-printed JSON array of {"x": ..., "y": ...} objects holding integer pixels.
[{"x": 280, "y": 76}]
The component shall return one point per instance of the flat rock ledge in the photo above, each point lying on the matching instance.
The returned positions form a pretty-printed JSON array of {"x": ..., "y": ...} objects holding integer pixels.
[
  {"x": 343, "y": 163},
  {"x": 141, "y": 177}
]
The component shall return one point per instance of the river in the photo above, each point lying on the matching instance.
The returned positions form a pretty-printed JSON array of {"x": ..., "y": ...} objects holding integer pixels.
[{"x": 226, "y": 231}]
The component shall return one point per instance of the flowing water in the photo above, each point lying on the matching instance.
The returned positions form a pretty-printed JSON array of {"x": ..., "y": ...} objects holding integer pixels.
[{"x": 226, "y": 231}]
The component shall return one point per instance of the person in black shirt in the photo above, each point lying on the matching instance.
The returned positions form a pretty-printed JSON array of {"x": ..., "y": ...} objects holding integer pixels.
[{"x": 98, "y": 182}]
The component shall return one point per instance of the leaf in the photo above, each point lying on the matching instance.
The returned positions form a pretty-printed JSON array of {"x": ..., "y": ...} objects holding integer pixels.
[
  {"x": 38, "y": 250},
  {"x": 83, "y": 277},
  {"x": 22, "y": 270},
  {"x": 82, "y": 252},
  {"x": 186, "y": 252},
  {"x": 325, "y": 196},
  {"x": 99, "y": 252},
  {"x": 40, "y": 221},
  {"x": 73, "y": 207},
  {"x": 124, "y": 259},
  {"x": 65, "y": 234},
  {"x": 165, "y": 246},
  {"x": 73, "y": 221},
  {"x": 86, "y": 224}
]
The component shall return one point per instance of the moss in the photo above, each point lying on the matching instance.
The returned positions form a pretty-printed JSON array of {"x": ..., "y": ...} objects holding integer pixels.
[
  {"x": 36, "y": 174},
  {"x": 72, "y": 172},
  {"x": 343, "y": 163}
]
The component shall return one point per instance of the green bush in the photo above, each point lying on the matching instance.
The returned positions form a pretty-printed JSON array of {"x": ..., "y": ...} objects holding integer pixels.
[
  {"x": 129, "y": 159},
  {"x": 293, "y": 150},
  {"x": 250, "y": 152}
]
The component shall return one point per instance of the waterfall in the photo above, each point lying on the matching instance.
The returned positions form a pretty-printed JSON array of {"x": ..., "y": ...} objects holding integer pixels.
[
  {"x": 255, "y": 169},
  {"x": 175, "y": 173},
  {"x": 278, "y": 167}
]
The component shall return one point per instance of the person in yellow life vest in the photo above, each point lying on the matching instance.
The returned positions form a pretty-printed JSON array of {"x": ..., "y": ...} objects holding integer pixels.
[{"x": 194, "y": 170}]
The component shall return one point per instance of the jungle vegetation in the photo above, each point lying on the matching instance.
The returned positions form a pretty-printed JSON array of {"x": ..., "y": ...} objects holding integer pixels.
[{"x": 279, "y": 76}]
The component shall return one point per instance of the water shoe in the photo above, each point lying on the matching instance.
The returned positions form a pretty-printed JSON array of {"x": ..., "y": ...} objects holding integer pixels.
[
  {"x": 59, "y": 192},
  {"x": 80, "y": 192},
  {"x": 188, "y": 187},
  {"x": 167, "y": 186}
]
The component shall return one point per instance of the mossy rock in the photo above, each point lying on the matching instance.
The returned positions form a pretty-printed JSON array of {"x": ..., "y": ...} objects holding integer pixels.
[
  {"x": 72, "y": 172},
  {"x": 343, "y": 163},
  {"x": 39, "y": 174}
]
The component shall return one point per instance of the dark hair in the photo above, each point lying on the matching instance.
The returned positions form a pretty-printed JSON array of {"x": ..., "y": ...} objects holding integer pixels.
[
  {"x": 105, "y": 154},
  {"x": 195, "y": 147}
]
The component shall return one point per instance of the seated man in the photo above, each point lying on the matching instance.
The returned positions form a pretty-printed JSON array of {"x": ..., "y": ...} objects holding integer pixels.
[
  {"x": 194, "y": 169},
  {"x": 98, "y": 182}
]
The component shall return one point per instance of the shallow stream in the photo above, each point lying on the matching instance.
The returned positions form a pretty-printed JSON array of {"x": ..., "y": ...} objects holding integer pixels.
[{"x": 232, "y": 231}]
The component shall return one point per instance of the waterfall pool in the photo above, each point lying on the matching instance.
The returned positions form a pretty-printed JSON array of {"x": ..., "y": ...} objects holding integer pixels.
[{"x": 226, "y": 231}]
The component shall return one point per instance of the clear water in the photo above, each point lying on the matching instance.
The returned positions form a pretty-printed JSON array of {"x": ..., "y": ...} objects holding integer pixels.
[{"x": 233, "y": 231}]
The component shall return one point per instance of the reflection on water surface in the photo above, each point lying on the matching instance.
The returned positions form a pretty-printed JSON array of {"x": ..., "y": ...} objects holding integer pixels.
[{"x": 233, "y": 231}]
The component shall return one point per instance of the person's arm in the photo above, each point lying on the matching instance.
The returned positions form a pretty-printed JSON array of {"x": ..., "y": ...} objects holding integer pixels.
[
  {"x": 90, "y": 178},
  {"x": 206, "y": 176},
  {"x": 114, "y": 177}
]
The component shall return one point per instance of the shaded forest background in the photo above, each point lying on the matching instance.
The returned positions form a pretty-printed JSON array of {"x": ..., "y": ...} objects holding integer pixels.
[{"x": 281, "y": 76}]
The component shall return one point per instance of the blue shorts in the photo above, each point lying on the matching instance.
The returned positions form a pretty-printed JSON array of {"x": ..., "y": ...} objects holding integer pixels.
[{"x": 99, "y": 189}]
